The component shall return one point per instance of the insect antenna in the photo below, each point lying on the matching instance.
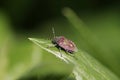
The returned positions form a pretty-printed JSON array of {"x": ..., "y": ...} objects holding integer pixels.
[{"x": 53, "y": 32}]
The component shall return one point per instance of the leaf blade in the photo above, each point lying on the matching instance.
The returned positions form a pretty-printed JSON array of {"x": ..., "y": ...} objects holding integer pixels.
[{"x": 86, "y": 67}]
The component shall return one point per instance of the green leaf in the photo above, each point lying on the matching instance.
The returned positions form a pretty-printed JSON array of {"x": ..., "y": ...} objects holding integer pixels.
[{"x": 85, "y": 66}]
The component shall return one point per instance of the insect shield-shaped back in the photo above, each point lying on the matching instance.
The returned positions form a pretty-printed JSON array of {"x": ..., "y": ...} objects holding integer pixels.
[{"x": 64, "y": 44}]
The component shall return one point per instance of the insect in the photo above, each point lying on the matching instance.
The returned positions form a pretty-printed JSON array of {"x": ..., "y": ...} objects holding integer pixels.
[{"x": 63, "y": 43}]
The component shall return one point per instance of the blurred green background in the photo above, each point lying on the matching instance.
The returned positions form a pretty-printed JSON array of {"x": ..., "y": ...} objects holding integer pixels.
[{"x": 20, "y": 19}]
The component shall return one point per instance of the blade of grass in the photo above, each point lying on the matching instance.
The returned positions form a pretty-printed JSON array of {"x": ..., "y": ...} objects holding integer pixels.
[
  {"x": 91, "y": 42},
  {"x": 86, "y": 67},
  {"x": 89, "y": 37}
]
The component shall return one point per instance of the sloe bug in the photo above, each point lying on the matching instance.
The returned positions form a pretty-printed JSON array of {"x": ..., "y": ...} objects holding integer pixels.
[{"x": 63, "y": 43}]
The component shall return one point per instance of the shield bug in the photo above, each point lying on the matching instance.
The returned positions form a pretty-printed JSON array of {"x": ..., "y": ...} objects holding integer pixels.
[{"x": 63, "y": 43}]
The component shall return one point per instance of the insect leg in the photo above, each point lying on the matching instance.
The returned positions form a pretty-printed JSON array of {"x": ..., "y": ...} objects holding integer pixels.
[{"x": 50, "y": 46}]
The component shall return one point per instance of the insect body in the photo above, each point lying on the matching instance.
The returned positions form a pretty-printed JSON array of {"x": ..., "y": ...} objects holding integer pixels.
[{"x": 63, "y": 43}]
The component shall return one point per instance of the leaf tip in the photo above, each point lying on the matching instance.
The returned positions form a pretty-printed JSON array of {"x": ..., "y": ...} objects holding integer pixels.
[{"x": 30, "y": 38}]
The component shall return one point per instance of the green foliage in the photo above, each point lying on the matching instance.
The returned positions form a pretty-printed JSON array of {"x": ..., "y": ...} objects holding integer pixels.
[
  {"x": 100, "y": 38},
  {"x": 21, "y": 60},
  {"x": 85, "y": 66}
]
